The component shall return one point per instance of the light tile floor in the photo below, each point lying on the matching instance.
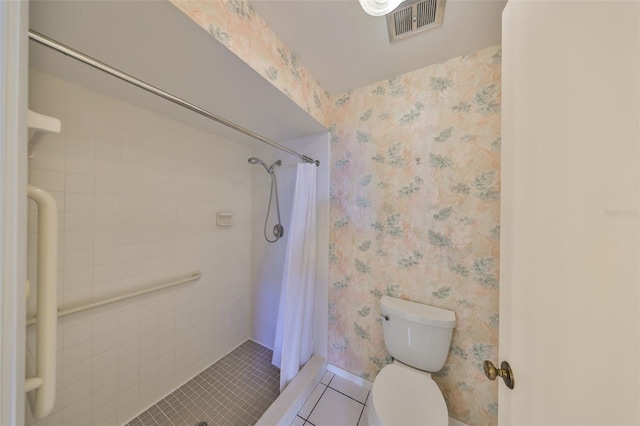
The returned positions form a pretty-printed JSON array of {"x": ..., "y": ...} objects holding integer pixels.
[{"x": 334, "y": 402}]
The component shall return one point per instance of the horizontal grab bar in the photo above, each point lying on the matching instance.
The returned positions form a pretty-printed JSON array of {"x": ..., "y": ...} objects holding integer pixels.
[{"x": 193, "y": 277}]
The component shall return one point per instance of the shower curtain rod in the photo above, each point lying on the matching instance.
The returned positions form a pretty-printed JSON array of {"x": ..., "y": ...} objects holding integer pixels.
[{"x": 66, "y": 50}]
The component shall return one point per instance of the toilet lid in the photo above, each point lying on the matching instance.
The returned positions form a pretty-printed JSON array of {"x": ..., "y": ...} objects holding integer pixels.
[{"x": 401, "y": 396}]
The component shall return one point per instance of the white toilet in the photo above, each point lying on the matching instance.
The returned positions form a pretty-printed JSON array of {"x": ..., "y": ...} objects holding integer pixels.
[{"x": 418, "y": 337}]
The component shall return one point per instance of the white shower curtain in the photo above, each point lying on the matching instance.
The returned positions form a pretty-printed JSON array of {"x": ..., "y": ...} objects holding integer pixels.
[{"x": 294, "y": 330}]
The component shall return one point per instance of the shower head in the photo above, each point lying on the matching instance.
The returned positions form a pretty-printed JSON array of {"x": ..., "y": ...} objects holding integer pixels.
[
  {"x": 277, "y": 163},
  {"x": 255, "y": 160}
]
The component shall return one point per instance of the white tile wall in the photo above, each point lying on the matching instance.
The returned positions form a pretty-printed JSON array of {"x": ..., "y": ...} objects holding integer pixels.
[{"x": 137, "y": 195}]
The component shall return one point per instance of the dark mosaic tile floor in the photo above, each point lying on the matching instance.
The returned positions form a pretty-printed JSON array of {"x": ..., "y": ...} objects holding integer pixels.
[{"x": 236, "y": 390}]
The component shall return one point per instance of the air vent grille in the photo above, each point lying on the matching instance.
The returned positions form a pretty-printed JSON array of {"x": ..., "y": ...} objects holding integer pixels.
[
  {"x": 402, "y": 21},
  {"x": 426, "y": 14},
  {"x": 414, "y": 16}
]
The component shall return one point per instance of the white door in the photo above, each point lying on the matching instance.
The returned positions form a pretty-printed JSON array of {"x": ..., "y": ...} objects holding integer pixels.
[
  {"x": 13, "y": 208},
  {"x": 569, "y": 302}
]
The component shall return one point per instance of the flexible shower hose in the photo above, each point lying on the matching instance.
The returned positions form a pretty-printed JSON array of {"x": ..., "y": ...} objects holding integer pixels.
[{"x": 278, "y": 230}]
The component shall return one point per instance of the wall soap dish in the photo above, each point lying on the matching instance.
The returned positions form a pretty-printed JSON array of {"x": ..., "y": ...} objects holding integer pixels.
[
  {"x": 224, "y": 219},
  {"x": 39, "y": 124}
]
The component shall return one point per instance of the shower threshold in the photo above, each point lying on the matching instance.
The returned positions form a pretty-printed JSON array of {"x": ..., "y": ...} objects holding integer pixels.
[
  {"x": 236, "y": 390},
  {"x": 283, "y": 411}
]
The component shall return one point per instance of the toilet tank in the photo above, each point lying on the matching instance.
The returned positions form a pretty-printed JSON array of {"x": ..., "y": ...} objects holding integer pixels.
[{"x": 416, "y": 334}]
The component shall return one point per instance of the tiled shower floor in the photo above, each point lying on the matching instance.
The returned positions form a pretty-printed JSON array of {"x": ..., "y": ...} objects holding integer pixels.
[{"x": 236, "y": 390}]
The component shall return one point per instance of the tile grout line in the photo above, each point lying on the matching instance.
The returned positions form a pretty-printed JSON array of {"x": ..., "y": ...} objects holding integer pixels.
[
  {"x": 316, "y": 404},
  {"x": 364, "y": 407},
  {"x": 350, "y": 397},
  {"x": 328, "y": 386}
]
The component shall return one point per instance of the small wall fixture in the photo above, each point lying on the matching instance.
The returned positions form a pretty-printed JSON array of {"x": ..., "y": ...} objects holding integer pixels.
[
  {"x": 379, "y": 7},
  {"x": 224, "y": 219}
]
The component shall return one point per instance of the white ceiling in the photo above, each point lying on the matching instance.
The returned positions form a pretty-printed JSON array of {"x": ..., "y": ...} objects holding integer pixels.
[{"x": 344, "y": 48}]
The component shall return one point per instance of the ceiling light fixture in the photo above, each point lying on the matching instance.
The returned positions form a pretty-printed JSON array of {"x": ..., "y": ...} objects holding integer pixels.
[{"x": 379, "y": 7}]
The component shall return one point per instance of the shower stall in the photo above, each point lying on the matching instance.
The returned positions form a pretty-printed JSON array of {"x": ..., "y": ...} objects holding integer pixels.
[{"x": 141, "y": 184}]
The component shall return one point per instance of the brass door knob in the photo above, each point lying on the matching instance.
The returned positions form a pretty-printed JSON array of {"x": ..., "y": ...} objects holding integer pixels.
[{"x": 504, "y": 371}]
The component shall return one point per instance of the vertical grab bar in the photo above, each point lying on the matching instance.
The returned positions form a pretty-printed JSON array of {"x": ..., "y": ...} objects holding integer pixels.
[{"x": 44, "y": 382}]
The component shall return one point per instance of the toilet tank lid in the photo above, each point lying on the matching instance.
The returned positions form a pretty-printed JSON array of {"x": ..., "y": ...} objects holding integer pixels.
[{"x": 418, "y": 312}]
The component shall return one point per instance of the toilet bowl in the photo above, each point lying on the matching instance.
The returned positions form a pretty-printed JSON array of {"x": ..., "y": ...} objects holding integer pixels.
[
  {"x": 404, "y": 397},
  {"x": 418, "y": 337}
]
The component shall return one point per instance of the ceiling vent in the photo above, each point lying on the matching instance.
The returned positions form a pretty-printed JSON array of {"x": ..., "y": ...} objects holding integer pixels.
[{"x": 414, "y": 16}]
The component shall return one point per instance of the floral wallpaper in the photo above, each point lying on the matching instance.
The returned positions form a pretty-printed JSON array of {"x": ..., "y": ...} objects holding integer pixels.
[
  {"x": 415, "y": 191},
  {"x": 235, "y": 24},
  {"x": 415, "y": 210}
]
